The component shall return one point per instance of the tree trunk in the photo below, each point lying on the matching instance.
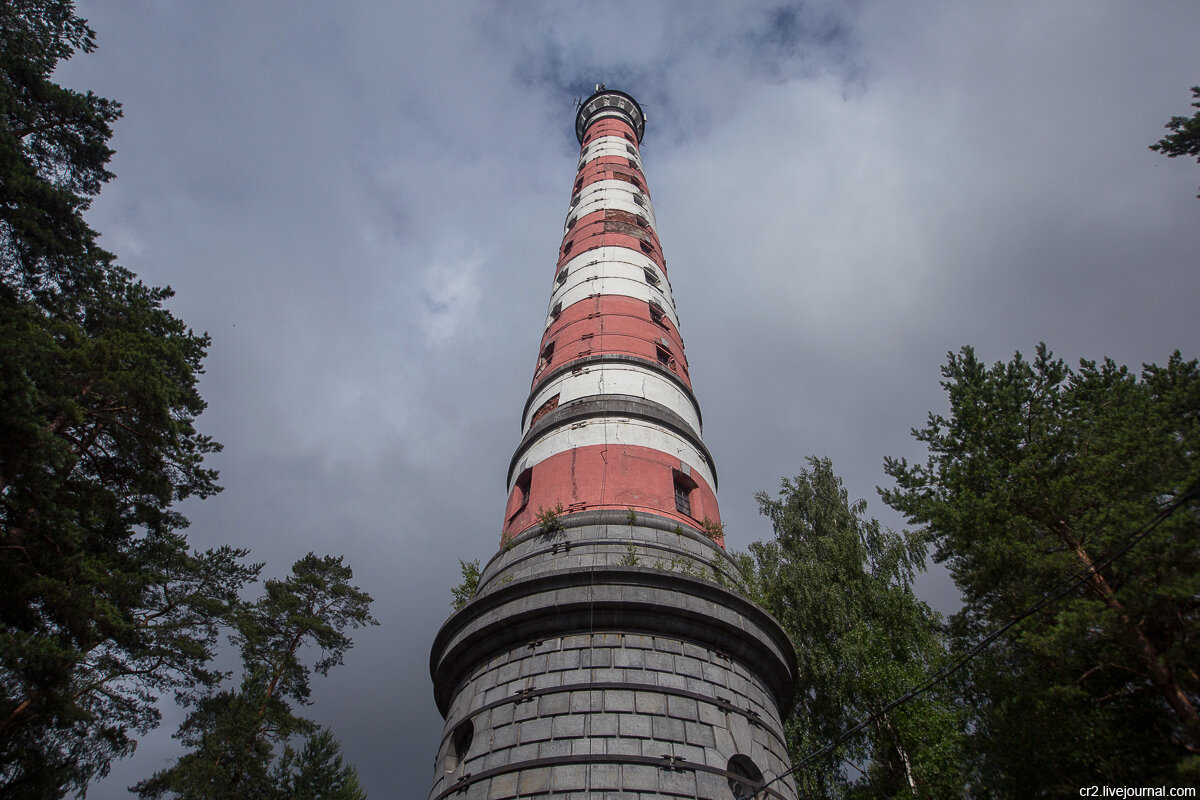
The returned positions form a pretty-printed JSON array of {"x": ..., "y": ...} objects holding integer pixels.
[
  {"x": 16, "y": 713},
  {"x": 1160, "y": 674}
]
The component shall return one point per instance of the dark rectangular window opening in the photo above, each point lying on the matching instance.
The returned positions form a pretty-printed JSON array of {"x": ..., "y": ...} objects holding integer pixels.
[
  {"x": 647, "y": 248},
  {"x": 567, "y": 247},
  {"x": 521, "y": 490},
  {"x": 546, "y": 356},
  {"x": 684, "y": 486},
  {"x": 651, "y": 278},
  {"x": 657, "y": 316},
  {"x": 663, "y": 355},
  {"x": 561, "y": 277}
]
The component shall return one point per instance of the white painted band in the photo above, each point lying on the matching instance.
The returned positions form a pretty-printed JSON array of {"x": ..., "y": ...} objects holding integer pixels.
[
  {"x": 611, "y": 277},
  {"x": 615, "y": 195},
  {"x": 619, "y": 255},
  {"x": 615, "y": 431},
  {"x": 624, "y": 379},
  {"x": 612, "y": 146}
]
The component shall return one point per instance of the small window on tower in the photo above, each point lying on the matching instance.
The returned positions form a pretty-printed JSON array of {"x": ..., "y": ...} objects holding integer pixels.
[
  {"x": 520, "y": 497},
  {"x": 571, "y": 222},
  {"x": 555, "y": 311},
  {"x": 561, "y": 277},
  {"x": 657, "y": 316},
  {"x": 647, "y": 248},
  {"x": 632, "y": 163},
  {"x": 684, "y": 486},
  {"x": 567, "y": 247},
  {"x": 627, "y": 136},
  {"x": 579, "y": 184},
  {"x": 745, "y": 778},
  {"x": 637, "y": 198},
  {"x": 663, "y": 355},
  {"x": 651, "y": 278},
  {"x": 645, "y": 223},
  {"x": 460, "y": 744},
  {"x": 546, "y": 356},
  {"x": 630, "y": 150}
]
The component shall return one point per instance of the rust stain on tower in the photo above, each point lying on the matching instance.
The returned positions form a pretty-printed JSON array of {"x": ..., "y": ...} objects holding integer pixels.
[{"x": 604, "y": 653}]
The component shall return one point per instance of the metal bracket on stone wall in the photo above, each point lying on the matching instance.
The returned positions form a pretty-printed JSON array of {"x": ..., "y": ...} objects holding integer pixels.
[{"x": 677, "y": 763}]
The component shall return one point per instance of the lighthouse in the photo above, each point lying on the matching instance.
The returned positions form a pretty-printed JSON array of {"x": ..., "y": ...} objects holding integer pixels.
[{"x": 606, "y": 651}]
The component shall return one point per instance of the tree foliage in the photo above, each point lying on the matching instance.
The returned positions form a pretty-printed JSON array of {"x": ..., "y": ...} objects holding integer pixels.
[
  {"x": 465, "y": 590},
  {"x": 1038, "y": 472},
  {"x": 104, "y": 605},
  {"x": 842, "y": 588},
  {"x": 1185, "y": 137},
  {"x": 53, "y": 151},
  {"x": 235, "y": 735},
  {"x": 317, "y": 772}
]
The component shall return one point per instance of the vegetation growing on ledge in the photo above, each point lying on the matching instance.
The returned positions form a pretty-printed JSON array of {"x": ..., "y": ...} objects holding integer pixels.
[
  {"x": 466, "y": 589},
  {"x": 549, "y": 520},
  {"x": 712, "y": 529}
]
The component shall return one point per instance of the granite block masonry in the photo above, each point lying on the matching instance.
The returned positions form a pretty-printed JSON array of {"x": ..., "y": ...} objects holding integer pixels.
[{"x": 606, "y": 652}]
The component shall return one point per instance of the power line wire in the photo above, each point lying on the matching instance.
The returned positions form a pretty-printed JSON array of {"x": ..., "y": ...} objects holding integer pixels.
[{"x": 1051, "y": 596}]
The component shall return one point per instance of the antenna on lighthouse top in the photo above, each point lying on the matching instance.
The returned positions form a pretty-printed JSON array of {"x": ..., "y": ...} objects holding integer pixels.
[{"x": 599, "y": 87}]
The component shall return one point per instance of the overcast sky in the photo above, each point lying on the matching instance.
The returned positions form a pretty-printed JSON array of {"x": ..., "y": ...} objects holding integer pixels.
[{"x": 361, "y": 202}]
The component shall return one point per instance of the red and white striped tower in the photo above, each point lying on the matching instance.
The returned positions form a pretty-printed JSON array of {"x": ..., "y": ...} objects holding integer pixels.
[
  {"x": 604, "y": 650},
  {"x": 611, "y": 421}
]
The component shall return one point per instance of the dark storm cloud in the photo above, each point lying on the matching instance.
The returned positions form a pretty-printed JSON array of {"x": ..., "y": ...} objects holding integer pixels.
[{"x": 362, "y": 204}]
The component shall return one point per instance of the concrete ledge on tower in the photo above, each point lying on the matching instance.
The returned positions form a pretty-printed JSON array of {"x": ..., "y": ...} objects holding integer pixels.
[
  {"x": 607, "y": 537},
  {"x": 623, "y": 597},
  {"x": 639, "y": 681}
]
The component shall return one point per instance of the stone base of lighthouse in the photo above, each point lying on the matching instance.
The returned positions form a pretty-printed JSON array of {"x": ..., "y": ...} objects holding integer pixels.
[{"x": 606, "y": 659}]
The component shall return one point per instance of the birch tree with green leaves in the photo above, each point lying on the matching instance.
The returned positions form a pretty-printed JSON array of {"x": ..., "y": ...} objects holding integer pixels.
[{"x": 841, "y": 586}]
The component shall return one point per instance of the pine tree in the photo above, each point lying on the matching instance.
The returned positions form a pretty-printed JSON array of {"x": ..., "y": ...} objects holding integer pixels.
[
  {"x": 103, "y": 604},
  {"x": 235, "y": 736},
  {"x": 1037, "y": 473},
  {"x": 1184, "y": 139},
  {"x": 316, "y": 772}
]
